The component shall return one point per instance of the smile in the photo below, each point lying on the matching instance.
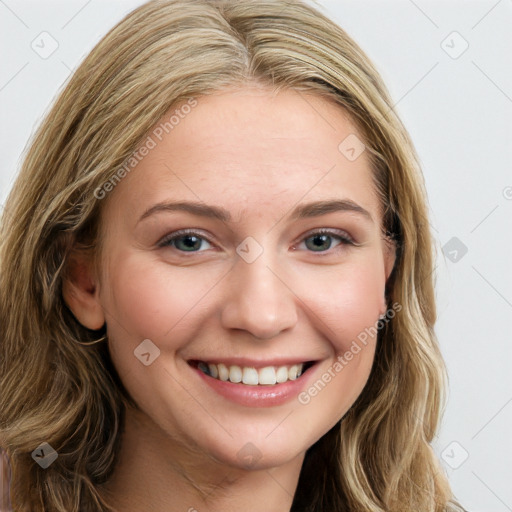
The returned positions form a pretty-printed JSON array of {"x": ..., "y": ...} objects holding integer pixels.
[{"x": 250, "y": 376}]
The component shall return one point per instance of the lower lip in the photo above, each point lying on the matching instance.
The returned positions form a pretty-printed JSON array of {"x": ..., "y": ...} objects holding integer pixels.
[{"x": 258, "y": 396}]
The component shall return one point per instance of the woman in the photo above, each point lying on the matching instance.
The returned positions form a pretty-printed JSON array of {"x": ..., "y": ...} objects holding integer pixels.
[{"x": 216, "y": 275}]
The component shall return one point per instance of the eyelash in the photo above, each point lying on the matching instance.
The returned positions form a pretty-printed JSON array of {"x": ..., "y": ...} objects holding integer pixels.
[{"x": 344, "y": 238}]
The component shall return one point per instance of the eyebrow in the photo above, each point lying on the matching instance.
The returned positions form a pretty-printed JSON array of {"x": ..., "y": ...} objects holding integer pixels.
[{"x": 307, "y": 210}]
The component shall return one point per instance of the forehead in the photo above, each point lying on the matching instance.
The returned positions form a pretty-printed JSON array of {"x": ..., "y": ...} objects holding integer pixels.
[{"x": 249, "y": 149}]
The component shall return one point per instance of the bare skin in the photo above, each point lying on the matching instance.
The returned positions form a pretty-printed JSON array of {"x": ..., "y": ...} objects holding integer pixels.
[{"x": 257, "y": 155}]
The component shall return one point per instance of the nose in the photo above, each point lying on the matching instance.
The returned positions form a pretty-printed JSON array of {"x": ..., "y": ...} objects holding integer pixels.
[{"x": 259, "y": 300}]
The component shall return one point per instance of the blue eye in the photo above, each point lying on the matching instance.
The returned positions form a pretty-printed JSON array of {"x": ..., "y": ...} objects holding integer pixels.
[
  {"x": 184, "y": 241},
  {"x": 320, "y": 241}
]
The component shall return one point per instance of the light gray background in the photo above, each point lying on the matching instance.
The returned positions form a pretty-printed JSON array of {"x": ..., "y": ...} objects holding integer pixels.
[{"x": 457, "y": 107}]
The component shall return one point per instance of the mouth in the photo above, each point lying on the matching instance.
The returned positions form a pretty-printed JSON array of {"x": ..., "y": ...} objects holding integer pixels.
[{"x": 251, "y": 376}]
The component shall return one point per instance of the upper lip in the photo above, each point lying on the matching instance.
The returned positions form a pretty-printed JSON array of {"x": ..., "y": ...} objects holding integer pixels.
[{"x": 253, "y": 363}]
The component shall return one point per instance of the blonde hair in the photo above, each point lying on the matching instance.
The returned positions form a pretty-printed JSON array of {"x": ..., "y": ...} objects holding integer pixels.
[{"x": 58, "y": 390}]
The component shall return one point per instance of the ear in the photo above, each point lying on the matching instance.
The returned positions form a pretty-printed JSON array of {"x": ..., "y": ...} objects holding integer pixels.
[
  {"x": 389, "y": 257},
  {"x": 80, "y": 290},
  {"x": 389, "y": 253}
]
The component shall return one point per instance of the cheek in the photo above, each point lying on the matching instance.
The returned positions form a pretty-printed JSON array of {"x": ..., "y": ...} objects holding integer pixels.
[
  {"x": 149, "y": 302},
  {"x": 348, "y": 301},
  {"x": 348, "y": 317},
  {"x": 346, "y": 311}
]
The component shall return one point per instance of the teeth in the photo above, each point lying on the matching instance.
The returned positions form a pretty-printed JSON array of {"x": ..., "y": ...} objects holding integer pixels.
[
  {"x": 213, "y": 370},
  {"x": 282, "y": 374},
  {"x": 269, "y": 375},
  {"x": 223, "y": 371},
  {"x": 250, "y": 376},
  {"x": 235, "y": 374},
  {"x": 204, "y": 368}
]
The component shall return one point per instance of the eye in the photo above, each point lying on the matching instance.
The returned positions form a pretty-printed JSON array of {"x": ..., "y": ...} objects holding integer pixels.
[
  {"x": 322, "y": 240},
  {"x": 185, "y": 241}
]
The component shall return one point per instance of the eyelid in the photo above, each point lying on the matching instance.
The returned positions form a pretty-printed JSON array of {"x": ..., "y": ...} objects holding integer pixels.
[{"x": 328, "y": 231}]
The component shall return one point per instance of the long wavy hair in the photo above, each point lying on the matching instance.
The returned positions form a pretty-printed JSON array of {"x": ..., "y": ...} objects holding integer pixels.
[{"x": 57, "y": 387}]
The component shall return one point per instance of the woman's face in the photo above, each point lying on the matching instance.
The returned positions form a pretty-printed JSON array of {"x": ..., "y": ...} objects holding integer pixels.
[{"x": 253, "y": 289}]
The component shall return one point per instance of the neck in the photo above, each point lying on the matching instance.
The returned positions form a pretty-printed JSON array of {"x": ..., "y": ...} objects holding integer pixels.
[{"x": 157, "y": 473}]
